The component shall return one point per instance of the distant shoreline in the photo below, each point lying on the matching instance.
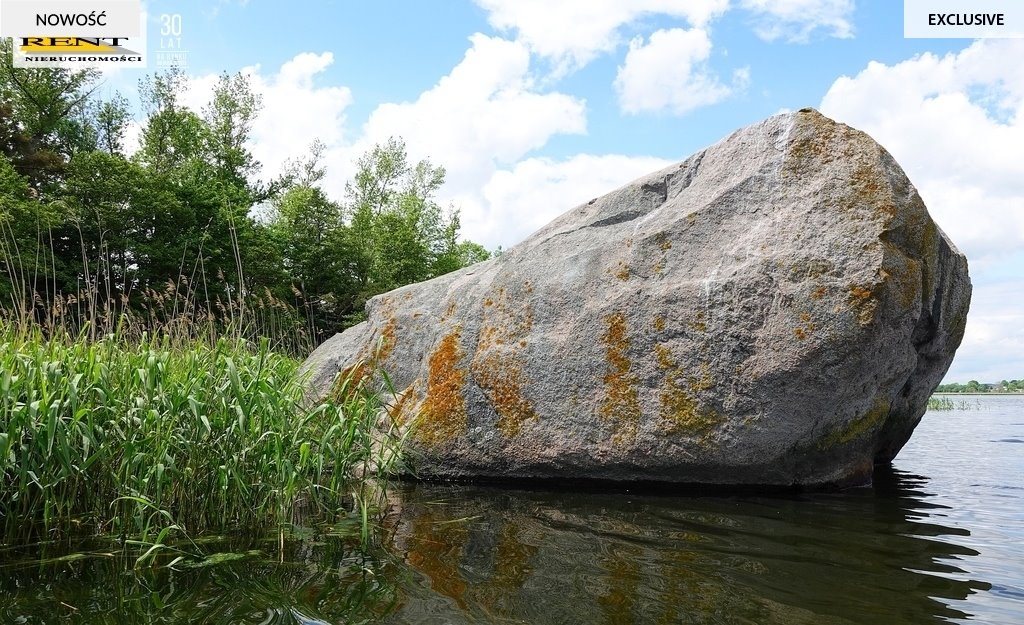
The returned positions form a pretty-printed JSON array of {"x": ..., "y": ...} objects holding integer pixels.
[{"x": 978, "y": 394}]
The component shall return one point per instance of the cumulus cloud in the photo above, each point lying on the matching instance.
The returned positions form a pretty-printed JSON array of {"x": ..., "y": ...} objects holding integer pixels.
[
  {"x": 480, "y": 121},
  {"x": 518, "y": 201},
  {"x": 670, "y": 72},
  {"x": 574, "y": 32},
  {"x": 486, "y": 112},
  {"x": 993, "y": 346},
  {"x": 797, "y": 20},
  {"x": 296, "y": 111},
  {"x": 956, "y": 125}
]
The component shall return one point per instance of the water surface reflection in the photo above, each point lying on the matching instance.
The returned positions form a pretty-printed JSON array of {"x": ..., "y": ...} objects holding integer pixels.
[
  {"x": 861, "y": 556},
  {"x": 462, "y": 554}
]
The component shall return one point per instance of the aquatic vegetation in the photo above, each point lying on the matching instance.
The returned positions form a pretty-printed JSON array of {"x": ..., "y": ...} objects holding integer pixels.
[
  {"x": 144, "y": 436},
  {"x": 947, "y": 403},
  {"x": 940, "y": 403}
]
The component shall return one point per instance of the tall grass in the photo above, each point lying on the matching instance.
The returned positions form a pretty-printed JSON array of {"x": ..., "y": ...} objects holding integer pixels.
[
  {"x": 133, "y": 435},
  {"x": 135, "y": 410}
]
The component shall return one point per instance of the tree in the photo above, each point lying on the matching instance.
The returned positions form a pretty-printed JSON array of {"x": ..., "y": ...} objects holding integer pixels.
[
  {"x": 390, "y": 232},
  {"x": 229, "y": 116},
  {"x": 398, "y": 232},
  {"x": 42, "y": 118},
  {"x": 110, "y": 122},
  {"x": 173, "y": 137}
]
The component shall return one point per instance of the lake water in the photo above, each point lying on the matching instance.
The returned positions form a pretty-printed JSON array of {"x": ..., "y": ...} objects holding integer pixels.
[{"x": 938, "y": 539}]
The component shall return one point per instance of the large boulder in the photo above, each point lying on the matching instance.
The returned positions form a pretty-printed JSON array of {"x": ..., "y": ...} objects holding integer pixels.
[{"x": 775, "y": 310}]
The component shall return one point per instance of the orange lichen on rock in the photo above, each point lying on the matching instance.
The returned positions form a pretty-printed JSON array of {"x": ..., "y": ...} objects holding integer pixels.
[
  {"x": 664, "y": 356},
  {"x": 814, "y": 138},
  {"x": 621, "y": 403},
  {"x": 680, "y": 411},
  {"x": 869, "y": 192},
  {"x": 504, "y": 385},
  {"x": 350, "y": 379},
  {"x": 859, "y": 292},
  {"x": 389, "y": 339},
  {"x": 659, "y": 323},
  {"x": 366, "y": 366},
  {"x": 620, "y": 271},
  {"x": 803, "y": 331},
  {"x": 859, "y": 426},
  {"x": 698, "y": 324},
  {"x": 862, "y": 300},
  {"x": 443, "y": 415},
  {"x": 496, "y": 365},
  {"x": 398, "y": 409}
]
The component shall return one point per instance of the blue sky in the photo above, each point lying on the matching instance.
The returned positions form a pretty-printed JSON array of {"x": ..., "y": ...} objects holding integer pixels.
[{"x": 535, "y": 106}]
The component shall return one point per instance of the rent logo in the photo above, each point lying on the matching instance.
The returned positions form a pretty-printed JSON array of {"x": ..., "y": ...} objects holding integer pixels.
[{"x": 78, "y": 52}]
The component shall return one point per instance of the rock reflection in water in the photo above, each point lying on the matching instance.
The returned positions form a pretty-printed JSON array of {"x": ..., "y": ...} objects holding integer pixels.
[{"x": 499, "y": 555}]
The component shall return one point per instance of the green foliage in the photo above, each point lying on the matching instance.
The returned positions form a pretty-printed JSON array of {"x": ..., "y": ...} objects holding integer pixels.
[
  {"x": 88, "y": 231},
  {"x": 131, "y": 437},
  {"x": 389, "y": 233},
  {"x": 110, "y": 123}
]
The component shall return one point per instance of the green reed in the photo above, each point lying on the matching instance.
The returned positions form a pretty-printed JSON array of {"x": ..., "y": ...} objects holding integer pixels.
[
  {"x": 947, "y": 403},
  {"x": 940, "y": 403},
  {"x": 138, "y": 437}
]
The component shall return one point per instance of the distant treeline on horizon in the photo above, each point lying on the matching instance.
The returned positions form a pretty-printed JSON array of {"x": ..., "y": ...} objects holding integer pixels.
[{"x": 1011, "y": 386}]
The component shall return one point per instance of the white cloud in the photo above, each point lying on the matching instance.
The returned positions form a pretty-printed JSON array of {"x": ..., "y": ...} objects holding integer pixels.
[
  {"x": 198, "y": 92},
  {"x": 670, "y": 72},
  {"x": 956, "y": 125},
  {"x": 481, "y": 122},
  {"x": 484, "y": 112},
  {"x": 574, "y": 32},
  {"x": 132, "y": 138},
  {"x": 517, "y": 201},
  {"x": 296, "y": 111},
  {"x": 796, "y": 20},
  {"x": 484, "y": 115},
  {"x": 993, "y": 345}
]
